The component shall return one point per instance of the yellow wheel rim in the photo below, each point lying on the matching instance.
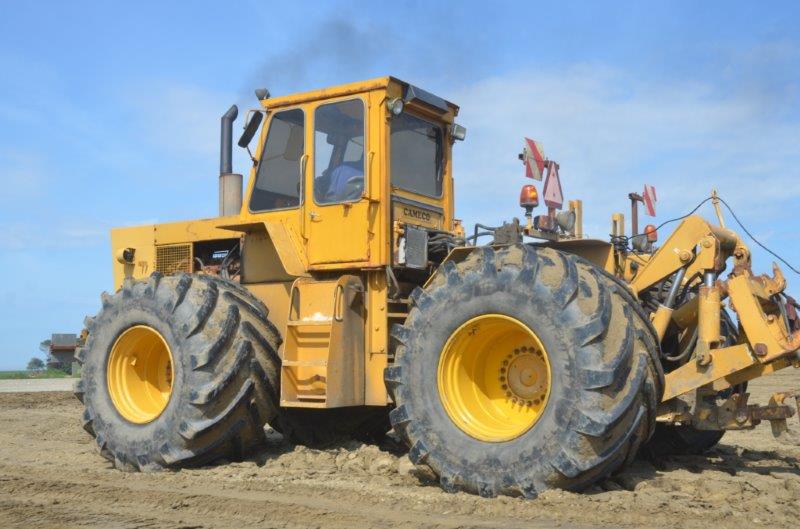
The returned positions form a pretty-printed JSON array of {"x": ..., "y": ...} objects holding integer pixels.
[
  {"x": 494, "y": 378},
  {"x": 139, "y": 374}
]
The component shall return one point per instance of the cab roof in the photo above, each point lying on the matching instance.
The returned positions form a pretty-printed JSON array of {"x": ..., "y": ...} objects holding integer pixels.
[{"x": 409, "y": 91}]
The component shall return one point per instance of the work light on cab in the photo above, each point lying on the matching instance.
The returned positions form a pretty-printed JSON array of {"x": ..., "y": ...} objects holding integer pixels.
[
  {"x": 458, "y": 132},
  {"x": 395, "y": 106}
]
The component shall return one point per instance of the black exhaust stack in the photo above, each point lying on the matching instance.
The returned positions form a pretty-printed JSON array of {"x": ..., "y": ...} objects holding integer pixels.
[
  {"x": 230, "y": 183},
  {"x": 226, "y": 140}
]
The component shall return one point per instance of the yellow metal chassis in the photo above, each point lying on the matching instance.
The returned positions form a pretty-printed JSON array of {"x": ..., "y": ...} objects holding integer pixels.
[{"x": 766, "y": 343}]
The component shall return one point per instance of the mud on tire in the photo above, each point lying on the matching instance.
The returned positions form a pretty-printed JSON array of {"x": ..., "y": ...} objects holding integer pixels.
[
  {"x": 606, "y": 376},
  {"x": 224, "y": 372}
]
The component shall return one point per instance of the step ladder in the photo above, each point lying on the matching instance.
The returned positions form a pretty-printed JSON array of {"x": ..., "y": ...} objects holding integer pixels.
[{"x": 323, "y": 354}]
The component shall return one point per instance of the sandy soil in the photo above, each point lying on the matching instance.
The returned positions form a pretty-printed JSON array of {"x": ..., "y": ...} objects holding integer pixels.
[
  {"x": 30, "y": 385},
  {"x": 51, "y": 476}
]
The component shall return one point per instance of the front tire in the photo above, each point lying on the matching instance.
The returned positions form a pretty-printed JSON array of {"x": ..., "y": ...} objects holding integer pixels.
[
  {"x": 605, "y": 379},
  {"x": 178, "y": 371}
]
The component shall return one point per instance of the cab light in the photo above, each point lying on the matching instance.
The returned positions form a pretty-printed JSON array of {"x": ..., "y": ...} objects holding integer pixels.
[
  {"x": 528, "y": 197},
  {"x": 395, "y": 106},
  {"x": 458, "y": 132}
]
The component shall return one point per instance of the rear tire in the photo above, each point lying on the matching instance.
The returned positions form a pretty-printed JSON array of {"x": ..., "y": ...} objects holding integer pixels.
[
  {"x": 603, "y": 358},
  {"x": 224, "y": 373},
  {"x": 669, "y": 439},
  {"x": 685, "y": 439}
]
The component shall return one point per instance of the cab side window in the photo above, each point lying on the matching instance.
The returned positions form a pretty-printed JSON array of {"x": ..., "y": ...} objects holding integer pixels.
[
  {"x": 278, "y": 179},
  {"x": 339, "y": 152}
]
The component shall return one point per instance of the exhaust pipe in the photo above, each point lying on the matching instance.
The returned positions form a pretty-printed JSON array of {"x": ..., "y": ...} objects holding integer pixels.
[
  {"x": 226, "y": 140},
  {"x": 230, "y": 183}
]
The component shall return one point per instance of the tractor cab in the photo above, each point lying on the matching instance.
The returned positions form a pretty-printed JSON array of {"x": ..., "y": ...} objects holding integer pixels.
[
  {"x": 350, "y": 188},
  {"x": 340, "y": 172}
]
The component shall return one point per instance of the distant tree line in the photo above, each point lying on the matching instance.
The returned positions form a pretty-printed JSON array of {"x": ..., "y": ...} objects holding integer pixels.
[{"x": 36, "y": 363}]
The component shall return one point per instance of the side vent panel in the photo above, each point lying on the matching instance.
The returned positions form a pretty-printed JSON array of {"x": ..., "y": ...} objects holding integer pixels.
[{"x": 174, "y": 258}]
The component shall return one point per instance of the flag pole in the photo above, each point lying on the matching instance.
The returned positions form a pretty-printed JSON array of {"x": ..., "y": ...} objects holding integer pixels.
[{"x": 635, "y": 199}]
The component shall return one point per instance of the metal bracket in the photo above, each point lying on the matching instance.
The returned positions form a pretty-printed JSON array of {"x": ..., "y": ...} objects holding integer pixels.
[
  {"x": 779, "y": 427},
  {"x": 736, "y": 414}
]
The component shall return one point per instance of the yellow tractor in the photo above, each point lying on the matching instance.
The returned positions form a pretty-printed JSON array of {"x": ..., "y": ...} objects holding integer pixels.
[{"x": 341, "y": 298}]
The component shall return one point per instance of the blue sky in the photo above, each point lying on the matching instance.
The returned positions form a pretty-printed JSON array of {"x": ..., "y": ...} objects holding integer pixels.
[{"x": 109, "y": 115}]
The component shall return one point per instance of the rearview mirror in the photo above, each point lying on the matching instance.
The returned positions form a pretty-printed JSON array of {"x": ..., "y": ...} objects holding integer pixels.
[{"x": 250, "y": 129}]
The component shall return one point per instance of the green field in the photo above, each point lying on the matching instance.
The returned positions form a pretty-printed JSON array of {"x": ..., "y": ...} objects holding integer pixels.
[{"x": 47, "y": 373}]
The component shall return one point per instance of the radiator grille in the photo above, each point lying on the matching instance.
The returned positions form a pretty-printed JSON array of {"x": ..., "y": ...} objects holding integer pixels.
[{"x": 174, "y": 258}]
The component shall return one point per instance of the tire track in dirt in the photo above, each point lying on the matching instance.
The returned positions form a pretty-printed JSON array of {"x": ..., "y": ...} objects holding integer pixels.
[{"x": 285, "y": 510}]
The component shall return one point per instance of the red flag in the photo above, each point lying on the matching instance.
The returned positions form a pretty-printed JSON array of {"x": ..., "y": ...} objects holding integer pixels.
[
  {"x": 649, "y": 197},
  {"x": 533, "y": 156}
]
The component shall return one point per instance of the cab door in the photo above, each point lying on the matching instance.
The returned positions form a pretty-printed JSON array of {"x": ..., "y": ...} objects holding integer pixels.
[{"x": 336, "y": 215}]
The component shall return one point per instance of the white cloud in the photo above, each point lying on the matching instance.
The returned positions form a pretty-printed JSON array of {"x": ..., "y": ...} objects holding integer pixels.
[
  {"x": 183, "y": 120},
  {"x": 180, "y": 116},
  {"x": 612, "y": 132}
]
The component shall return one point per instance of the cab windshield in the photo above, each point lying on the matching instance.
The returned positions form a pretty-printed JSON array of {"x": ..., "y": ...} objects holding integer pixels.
[{"x": 416, "y": 155}]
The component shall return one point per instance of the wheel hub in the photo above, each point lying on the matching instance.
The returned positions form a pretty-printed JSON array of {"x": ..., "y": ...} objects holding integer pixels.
[
  {"x": 139, "y": 374},
  {"x": 525, "y": 377},
  {"x": 494, "y": 378}
]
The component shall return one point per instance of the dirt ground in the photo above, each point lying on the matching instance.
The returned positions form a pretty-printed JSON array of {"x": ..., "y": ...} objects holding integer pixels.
[
  {"x": 35, "y": 385},
  {"x": 51, "y": 476}
]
